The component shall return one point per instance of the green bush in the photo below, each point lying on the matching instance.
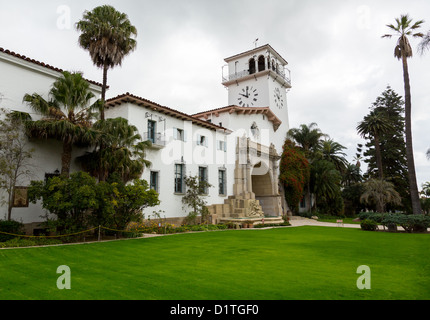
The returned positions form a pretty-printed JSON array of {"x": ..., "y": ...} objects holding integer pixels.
[
  {"x": 391, "y": 220},
  {"x": 375, "y": 216},
  {"x": 13, "y": 227},
  {"x": 415, "y": 223},
  {"x": 23, "y": 242},
  {"x": 369, "y": 225}
]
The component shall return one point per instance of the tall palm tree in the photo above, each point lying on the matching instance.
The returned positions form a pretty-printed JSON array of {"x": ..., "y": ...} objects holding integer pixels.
[
  {"x": 404, "y": 28},
  {"x": 108, "y": 35},
  {"x": 67, "y": 116},
  {"x": 373, "y": 125},
  {"x": 123, "y": 151}
]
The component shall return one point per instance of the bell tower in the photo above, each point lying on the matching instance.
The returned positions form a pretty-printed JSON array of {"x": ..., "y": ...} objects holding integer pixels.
[{"x": 259, "y": 78}]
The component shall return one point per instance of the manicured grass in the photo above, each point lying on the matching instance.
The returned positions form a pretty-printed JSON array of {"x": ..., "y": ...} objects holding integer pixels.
[{"x": 275, "y": 264}]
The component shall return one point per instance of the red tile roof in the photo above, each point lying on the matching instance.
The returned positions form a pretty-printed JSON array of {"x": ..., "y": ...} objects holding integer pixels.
[
  {"x": 130, "y": 98},
  {"x": 42, "y": 64},
  {"x": 242, "y": 110}
]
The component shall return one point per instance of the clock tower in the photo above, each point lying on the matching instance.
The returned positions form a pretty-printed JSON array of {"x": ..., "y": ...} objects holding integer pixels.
[{"x": 259, "y": 78}]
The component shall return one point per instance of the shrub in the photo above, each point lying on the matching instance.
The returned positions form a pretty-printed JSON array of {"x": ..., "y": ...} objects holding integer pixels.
[
  {"x": 391, "y": 220},
  {"x": 415, "y": 223},
  {"x": 11, "y": 226},
  {"x": 369, "y": 225},
  {"x": 375, "y": 216},
  {"x": 19, "y": 242}
]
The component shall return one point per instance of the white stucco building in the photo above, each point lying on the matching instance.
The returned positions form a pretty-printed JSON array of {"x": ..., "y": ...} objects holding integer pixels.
[{"x": 236, "y": 148}]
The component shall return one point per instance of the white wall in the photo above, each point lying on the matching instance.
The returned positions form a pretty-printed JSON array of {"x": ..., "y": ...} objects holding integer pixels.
[
  {"x": 164, "y": 159},
  {"x": 17, "y": 78}
]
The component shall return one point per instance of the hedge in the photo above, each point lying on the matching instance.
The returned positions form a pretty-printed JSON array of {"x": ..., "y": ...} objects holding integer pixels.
[{"x": 411, "y": 223}]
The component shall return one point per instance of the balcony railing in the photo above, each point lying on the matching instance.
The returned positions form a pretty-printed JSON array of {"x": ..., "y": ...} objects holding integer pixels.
[
  {"x": 242, "y": 74},
  {"x": 158, "y": 140}
]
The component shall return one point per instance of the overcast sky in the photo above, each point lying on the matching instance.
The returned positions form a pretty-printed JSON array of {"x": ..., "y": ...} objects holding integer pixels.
[{"x": 338, "y": 61}]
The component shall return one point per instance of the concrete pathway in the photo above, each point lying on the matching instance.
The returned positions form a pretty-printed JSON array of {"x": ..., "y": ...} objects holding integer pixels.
[
  {"x": 297, "y": 221},
  {"x": 300, "y": 221}
]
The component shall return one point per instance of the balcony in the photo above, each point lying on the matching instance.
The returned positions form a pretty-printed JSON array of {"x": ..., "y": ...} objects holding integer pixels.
[
  {"x": 280, "y": 74},
  {"x": 158, "y": 140}
]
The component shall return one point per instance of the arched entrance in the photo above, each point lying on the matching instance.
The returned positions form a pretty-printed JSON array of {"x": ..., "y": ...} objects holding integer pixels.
[{"x": 264, "y": 189}]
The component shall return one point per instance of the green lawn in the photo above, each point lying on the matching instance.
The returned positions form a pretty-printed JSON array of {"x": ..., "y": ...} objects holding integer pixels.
[{"x": 275, "y": 264}]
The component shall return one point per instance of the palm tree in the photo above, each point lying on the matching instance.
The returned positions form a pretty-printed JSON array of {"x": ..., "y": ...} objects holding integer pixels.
[
  {"x": 308, "y": 137},
  {"x": 108, "y": 36},
  {"x": 373, "y": 125},
  {"x": 66, "y": 117},
  {"x": 332, "y": 152},
  {"x": 326, "y": 179},
  {"x": 380, "y": 192},
  {"x": 403, "y": 51},
  {"x": 123, "y": 152}
]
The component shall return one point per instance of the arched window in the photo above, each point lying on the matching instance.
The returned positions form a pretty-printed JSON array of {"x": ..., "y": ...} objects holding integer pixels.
[
  {"x": 273, "y": 65},
  {"x": 252, "y": 66},
  {"x": 261, "y": 63}
]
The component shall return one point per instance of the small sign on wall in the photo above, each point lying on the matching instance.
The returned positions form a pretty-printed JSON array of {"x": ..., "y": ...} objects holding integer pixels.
[{"x": 20, "y": 197}]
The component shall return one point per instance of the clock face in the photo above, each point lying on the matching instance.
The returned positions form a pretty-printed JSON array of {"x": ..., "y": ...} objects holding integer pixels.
[
  {"x": 279, "y": 100},
  {"x": 247, "y": 97}
]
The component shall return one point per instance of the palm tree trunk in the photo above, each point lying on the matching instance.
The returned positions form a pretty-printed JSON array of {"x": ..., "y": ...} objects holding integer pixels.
[
  {"x": 104, "y": 87},
  {"x": 66, "y": 159},
  {"x": 415, "y": 199}
]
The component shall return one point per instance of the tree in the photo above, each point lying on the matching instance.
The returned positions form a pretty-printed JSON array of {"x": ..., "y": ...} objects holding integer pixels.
[
  {"x": 390, "y": 106},
  {"x": 67, "y": 116},
  {"x": 404, "y": 28},
  {"x": 332, "y": 151},
  {"x": 108, "y": 35},
  {"x": 121, "y": 203},
  {"x": 326, "y": 182},
  {"x": 79, "y": 202},
  {"x": 15, "y": 156},
  {"x": 372, "y": 126},
  {"x": 70, "y": 199},
  {"x": 194, "y": 198},
  {"x": 294, "y": 173},
  {"x": 123, "y": 152},
  {"x": 309, "y": 138},
  {"x": 379, "y": 192}
]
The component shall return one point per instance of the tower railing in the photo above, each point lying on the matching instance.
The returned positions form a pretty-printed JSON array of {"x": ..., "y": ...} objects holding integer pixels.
[{"x": 244, "y": 73}]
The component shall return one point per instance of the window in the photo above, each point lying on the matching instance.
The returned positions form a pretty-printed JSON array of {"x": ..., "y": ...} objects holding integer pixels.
[
  {"x": 261, "y": 63},
  {"x": 202, "y": 141},
  {"x": 152, "y": 130},
  {"x": 153, "y": 181},
  {"x": 179, "y": 178},
  {"x": 222, "y": 145},
  {"x": 179, "y": 134},
  {"x": 222, "y": 190},
  {"x": 203, "y": 177},
  {"x": 252, "y": 66}
]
